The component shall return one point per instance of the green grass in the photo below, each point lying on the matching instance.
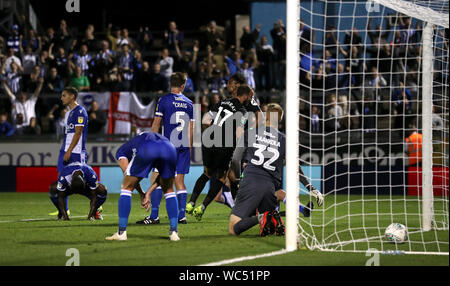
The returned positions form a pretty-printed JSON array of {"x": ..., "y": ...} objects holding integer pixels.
[{"x": 44, "y": 241}]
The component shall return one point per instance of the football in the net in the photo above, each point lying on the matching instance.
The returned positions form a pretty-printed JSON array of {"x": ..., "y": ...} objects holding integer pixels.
[{"x": 396, "y": 233}]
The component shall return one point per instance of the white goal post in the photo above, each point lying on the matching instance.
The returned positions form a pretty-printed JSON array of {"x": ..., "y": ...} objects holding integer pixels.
[{"x": 366, "y": 190}]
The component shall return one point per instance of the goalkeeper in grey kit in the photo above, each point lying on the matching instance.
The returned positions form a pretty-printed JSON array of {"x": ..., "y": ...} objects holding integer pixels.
[{"x": 259, "y": 189}]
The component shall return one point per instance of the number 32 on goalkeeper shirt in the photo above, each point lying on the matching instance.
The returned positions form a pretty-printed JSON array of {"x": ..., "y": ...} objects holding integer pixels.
[{"x": 259, "y": 153}]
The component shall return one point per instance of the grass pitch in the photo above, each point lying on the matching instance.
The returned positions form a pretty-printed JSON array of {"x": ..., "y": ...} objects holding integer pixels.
[{"x": 29, "y": 236}]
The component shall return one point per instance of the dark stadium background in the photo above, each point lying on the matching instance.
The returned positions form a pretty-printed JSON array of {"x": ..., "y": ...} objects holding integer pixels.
[{"x": 189, "y": 15}]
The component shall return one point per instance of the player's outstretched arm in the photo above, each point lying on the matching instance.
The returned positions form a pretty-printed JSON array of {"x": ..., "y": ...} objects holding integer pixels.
[{"x": 312, "y": 191}]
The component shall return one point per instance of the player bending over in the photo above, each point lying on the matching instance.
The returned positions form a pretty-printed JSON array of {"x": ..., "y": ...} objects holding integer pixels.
[
  {"x": 80, "y": 179},
  {"x": 150, "y": 150},
  {"x": 175, "y": 113}
]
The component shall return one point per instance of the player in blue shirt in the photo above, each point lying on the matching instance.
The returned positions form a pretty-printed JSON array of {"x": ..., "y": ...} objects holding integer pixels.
[
  {"x": 150, "y": 150},
  {"x": 175, "y": 112},
  {"x": 77, "y": 178},
  {"x": 73, "y": 149}
]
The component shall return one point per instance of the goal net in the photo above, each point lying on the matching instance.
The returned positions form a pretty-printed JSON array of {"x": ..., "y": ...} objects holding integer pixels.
[{"x": 373, "y": 119}]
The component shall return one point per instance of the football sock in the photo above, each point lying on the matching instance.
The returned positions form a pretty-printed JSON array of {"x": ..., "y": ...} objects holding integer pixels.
[
  {"x": 228, "y": 197},
  {"x": 198, "y": 188},
  {"x": 66, "y": 200},
  {"x": 100, "y": 201},
  {"x": 300, "y": 208},
  {"x": 172, "y": 210},
  {"x": 182, "y": 199},
  {"x": 214, "y": 189},
  {"x": 155, "y": 199},
  {"x": 245, "y": 224},
  {"x": 54, "y": 199},
  {"x": 124, "y": 209}
]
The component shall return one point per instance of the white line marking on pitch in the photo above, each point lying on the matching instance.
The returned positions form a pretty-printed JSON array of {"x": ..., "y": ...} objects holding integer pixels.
[
  {"x": 245, "y": 258},
  {"x": 41, "y": 219}
]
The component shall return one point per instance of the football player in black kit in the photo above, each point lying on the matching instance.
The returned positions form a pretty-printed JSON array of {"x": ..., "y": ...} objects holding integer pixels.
[{"x": 226, "y": 123}]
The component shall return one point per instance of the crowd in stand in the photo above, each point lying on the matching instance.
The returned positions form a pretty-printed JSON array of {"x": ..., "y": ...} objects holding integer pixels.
[
  {"x": 364, "y": 81},
  {"x": 34, "y": 64}
]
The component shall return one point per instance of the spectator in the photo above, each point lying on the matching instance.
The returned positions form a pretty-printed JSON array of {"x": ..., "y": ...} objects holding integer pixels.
[
  {"x": 265, "y": 55},
  {"x": 249, "y": 38},
  {"x": 6, "y": 129},
  {"x": 335, "y": 120},
  {"x": 145, "y": 40},
  {"x": 53, "y": 83},
  {"x": 201, "y": 77},
  {"x": 216, "y": 83},
  {"x": 48, "y": 39},
  {"x": 31, "y": 81},
  {"x": 329, "y": 62},
  {"x": 34, "y": 42},
  {"x": 114, "y": 39},
  {"x": 173, "y": 37},
  {"x": 378, "y": 37},
  {"x": 125, "y": 39},
  {"x": 44, "y": 63},
  {"x": 125, "y": 65},
  {"x": 305, "y": 34},
  {"x": 166, "y": 64},
  {"x": 14, "y": 78},
  {"x": 13, "y": 40},
  {"x": 89, "y": 38},
  {"x": 355, "y": 63},
  {"x": 83, "y": 59},
  {"x": 352, "y": 38},
  {"x": 189, "y": 88},
  {"x": 60, "y": 62},
  {"x": 402, "y": 105},
  {"x": 23, "y": 108},
  {"x": 184, "y": 63},
  {"x": 158, "y": 81},
  {"x": 79, "y": 81},
  {"x": 330, "y": 41},
  {"x": 233, "y": 62},
  {"x": 214, "y": 38},
  {"x": 143, "y": 78},
  {"x": 12, "y": 58},
  {"x": 97, "y": 119},
  {"x": 340, "y": 81},
  {"x": 278, "y": 34},
  {"x": 29, "y": 59},
  {"x": 64, "y": 35},
  {"x": 33, "y": 128},
  {"x": 373, "y": 84},
  {"x": 315, "y": 120},
  {"x": 60, "y": 123},
  {"x": 248, "y": 73}
]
